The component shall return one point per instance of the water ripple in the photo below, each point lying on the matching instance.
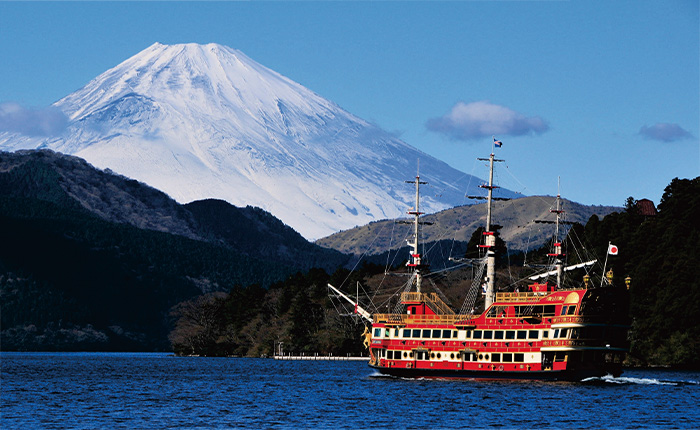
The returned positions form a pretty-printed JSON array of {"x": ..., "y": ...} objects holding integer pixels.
[{"x": 159, "y": 391}]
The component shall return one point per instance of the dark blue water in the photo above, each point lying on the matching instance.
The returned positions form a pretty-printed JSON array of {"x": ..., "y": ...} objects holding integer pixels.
[{"x": 86, "y": 390}]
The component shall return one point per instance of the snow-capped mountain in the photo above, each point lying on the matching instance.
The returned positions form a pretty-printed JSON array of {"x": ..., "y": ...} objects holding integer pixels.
[{"x": 206, "y": 121}]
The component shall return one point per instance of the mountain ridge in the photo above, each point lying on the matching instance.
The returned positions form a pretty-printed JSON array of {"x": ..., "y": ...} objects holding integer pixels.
[
  {"x": 206, "y": 121},
  {"x": 72, "y": 182},
  {"x": 458, "y": 223},
  {"x": 90, "y": 260}
]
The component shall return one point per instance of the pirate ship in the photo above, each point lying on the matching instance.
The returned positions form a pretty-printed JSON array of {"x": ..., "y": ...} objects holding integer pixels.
[{"x": 543, "y": 330}]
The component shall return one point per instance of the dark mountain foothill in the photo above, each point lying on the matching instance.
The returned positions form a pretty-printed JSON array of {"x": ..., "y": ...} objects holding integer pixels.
[{"x": 90, "y": 260}]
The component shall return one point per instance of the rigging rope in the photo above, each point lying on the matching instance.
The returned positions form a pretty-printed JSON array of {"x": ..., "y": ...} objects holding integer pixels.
[{"x": 468, "y": 305}]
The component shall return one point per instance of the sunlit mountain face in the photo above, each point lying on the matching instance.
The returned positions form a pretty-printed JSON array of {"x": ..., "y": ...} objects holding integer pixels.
[{"x": 206, "y": 121}]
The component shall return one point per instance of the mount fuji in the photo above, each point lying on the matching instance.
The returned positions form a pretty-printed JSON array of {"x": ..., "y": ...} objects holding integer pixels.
[{"x": 206, "y": 121}]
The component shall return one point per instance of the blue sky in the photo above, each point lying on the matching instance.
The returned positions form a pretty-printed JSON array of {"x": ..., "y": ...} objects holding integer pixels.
[{"x": 604, "y": 94}]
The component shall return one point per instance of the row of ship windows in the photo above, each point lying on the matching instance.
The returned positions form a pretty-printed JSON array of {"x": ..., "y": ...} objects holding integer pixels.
[
  {"x": 523, "y": 311},
  {"x": 466, "y": 356},
  {"x": 564, "y": 333},
  {"x": 470, "y": 334}
]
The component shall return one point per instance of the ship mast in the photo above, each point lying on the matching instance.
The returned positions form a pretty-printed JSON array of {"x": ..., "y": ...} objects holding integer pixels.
[
  {"x": 490, "y": 238},
  {"x": 415, "y": 260},
  {"x": 557, "y": 255}
]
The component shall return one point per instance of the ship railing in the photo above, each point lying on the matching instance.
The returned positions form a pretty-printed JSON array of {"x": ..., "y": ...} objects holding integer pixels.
[
  {"x": 587, "y": 319},
  {"x": 520, "y": 297},
  {"x": 528, "y": 296},
  {"x": 588, "y": 343},
  {"x": 403, "y": 319},
  {"x": 432, "y": 300}
]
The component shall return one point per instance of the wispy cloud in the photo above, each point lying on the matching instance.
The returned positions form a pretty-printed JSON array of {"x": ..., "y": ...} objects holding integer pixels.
[
  {"x": 665, "y": 132},
  {"x": 49, "y": 121},
  {"x": 469, "y": 121}
]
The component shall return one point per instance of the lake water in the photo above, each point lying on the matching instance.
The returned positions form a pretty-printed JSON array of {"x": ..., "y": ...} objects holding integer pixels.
[{"x": 98, "y": 390}]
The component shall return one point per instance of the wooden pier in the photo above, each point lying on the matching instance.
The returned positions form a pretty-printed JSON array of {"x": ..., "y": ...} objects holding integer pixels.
[{"x": 320, "y": 357}]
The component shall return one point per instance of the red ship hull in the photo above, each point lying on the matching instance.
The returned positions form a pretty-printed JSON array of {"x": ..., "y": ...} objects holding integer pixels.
[{"x": 547, "y": 335}]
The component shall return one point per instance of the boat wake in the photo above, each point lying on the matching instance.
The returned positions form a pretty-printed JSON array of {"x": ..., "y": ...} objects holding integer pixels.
[
  {"x": 623, "y": 380},
  {"x": 378, "y": 375}
]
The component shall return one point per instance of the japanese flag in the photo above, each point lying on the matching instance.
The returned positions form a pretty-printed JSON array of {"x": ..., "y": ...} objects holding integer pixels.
[{"x": 612, "y": 249}]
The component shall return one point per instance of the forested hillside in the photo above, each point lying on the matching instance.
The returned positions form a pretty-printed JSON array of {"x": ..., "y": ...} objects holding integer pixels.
[{"x": 95, "y": 261}]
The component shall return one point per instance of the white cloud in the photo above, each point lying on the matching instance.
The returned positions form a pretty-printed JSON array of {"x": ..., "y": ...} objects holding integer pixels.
[
  {"x": 48, "y": 121},
  {"x": 468, "y": 121},
  {"x": 665, "y": 132}
]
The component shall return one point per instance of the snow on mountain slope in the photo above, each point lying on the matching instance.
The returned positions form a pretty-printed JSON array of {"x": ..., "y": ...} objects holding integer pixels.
[{"x": 206, "y": 121}]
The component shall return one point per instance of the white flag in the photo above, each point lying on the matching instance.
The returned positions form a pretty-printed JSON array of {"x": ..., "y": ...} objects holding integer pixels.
[{"x": 612, "y": 249}]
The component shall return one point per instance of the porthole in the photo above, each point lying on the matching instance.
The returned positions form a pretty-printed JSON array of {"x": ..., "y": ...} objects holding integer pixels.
[
  {"x": 452, "y": 356},
  {"x": 486, "y": 356},
  {"x": 432, "y": 355},
  {"x": 481, "y": 356},
  {"x": 405, "y": 354},
  {"x": 438, "y": 355}
]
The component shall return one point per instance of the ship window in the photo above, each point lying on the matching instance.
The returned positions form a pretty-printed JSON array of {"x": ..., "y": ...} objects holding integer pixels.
[
  {"x": 386, "y": 332},
  {"x": 545, "y": 334},
  {"x": 410, "y": 354},
  {"x": 488, "y": 334},
  {"x": 377, "y": 332},
  {"x": 518, "y": 358},
  {"x": 571, "y": 310},
  {"x": 556, "y": 333},
  {"x": 437, "y": 334},
  {"x": 407, "y": 332},
  {"x": 432, "y": 355},
  {"x": 498, "y": 334},
  {"x": 534, "y": 334},
  {"x": 452, "y": 356},
  {"x": 560, "y": 356},
  {"x": 507, "y": 358},
  {"x": 477, "y": 334},
  {"x": 495, "y": 311},
  {"x": 563, "y": 310},
  {"x": 446, "y": 334},
  {"x": 481, "y": 356},
  {"x": 454, "y": 334},
  {"x": 390, "y": 355},
  {"x": 574, "y": 333},
  {"x": 468, "y": 334},
  {"x": 396, "y": 332},
  {"x": 426, "y": 334},
  {"x": 495, "y": 358},
  {"x": 549, "y": 310},
  {"x": 564, "y": 333},
  {"x": 438, "y": 355},
  {"x": 416, "y": 333},
  {"x": 522, "y": 334},
  {"x": 510, "y": 334}
]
